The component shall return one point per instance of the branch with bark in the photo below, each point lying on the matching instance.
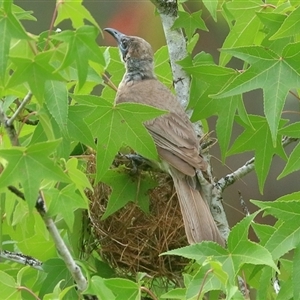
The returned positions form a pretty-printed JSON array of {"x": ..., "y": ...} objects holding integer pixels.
[
  {"x": 249, "y": 166},
  {"x": 22, "y": 259},
  {"x": 176, "y": 42},
  {"x": 212, "y": 190}
]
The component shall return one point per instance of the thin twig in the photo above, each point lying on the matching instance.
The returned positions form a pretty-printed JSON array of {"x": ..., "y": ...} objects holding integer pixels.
[
  {"x": 52, "y": 23},
  {"x": 243, "y": 205},
  {"x": 59, "y": 242},
  {"x": 22, "y": 259},
  {"x": 248, "y": 167},
  {"x": 19, "y": 109},
  {"x": 276, "y": 282}
]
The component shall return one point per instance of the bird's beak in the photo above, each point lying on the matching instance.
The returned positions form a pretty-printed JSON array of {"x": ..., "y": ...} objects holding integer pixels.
[{"x": 116, "y": 34}]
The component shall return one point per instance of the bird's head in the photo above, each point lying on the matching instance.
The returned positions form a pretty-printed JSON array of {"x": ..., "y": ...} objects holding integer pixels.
[{"x": 131, "y": 47}]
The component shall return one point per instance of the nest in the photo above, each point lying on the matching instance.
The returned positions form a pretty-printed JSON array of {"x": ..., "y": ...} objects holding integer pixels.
[{"x": 131, "y": 240}]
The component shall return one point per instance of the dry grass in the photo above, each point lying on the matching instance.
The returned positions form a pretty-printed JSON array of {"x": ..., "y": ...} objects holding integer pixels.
[{"x": 131, "y": 240}]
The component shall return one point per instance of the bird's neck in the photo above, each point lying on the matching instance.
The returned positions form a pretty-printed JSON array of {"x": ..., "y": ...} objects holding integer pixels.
[{"x": 138, "y": 69}]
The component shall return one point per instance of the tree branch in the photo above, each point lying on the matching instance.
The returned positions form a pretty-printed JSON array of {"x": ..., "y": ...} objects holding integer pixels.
[
  {"x": 61, "y": 247},
  {"x": 249, "y": 166},
  {"x": 22, "y": 259},
  {"x": 176, "y": 46},
  {"x": 41, "y": 207},
  {"x": 176, "y": 42},
  {"x": 59, "y": 242}
]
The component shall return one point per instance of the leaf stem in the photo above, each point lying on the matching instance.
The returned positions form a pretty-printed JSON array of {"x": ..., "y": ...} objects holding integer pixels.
[
  {"x": 108, "y": 82},
  {"x": 149, "y": 292},
  {"x": 203, "y": 282},
  {"x": 52, "y": 23},
  {"x": 24, "y": 288}
]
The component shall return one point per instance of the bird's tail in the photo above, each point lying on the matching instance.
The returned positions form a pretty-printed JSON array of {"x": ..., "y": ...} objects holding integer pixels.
[{"x": 198, "y": 221}]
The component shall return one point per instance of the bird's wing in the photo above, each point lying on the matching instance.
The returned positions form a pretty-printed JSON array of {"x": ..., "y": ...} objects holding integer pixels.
[{"x": 176, "y": 143}]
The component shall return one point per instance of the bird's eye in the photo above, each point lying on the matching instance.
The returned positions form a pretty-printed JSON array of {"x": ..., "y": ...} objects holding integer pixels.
[{"x": 124, "y": 45}]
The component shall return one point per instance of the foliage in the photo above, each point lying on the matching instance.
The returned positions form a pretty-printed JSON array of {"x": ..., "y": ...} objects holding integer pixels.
[{"x": 61, "y": 117}]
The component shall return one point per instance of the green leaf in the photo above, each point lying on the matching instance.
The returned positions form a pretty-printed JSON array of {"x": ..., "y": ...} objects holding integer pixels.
[
  {"x": 35, "y": 72},
  {"x": 190, "y": 22},
  {"x": 8, "y": 287},
  {"x": 115, "y": 68},
  {"x": 283, "y": 210},
  {"x": 209, "y": 79},
  {"x": 124, "y": 190},
  {"x": 57, "y": 292},
  {"x": 212, "y": 6},
  {"x": 264, "y": 151},
  {"x": 274, "y": 73},
  {"x": 263, "y": 231},
  {"x": 272, "y": 22},
  {"x": 240, "y": 251},
  {"x": 98, "y": 288},
  {"x": 75, "y": 11},
  {"x": 65, "y": 202},
  {"x": 56, "y": 271},
  {"x": 178, "y": 293},
  {"x": 239, "y": 245},
  {"x": 162, "y": 66},
  {"x": 116, "y": 126},
  {"x": 82, "y": 47},
  {"x": 45, "y": 121},
  {"x": 293, "y": 163},
  {"x": 289, "y": 197},
  {"x": 192, "y": 43},
  {"x": 77, "y": 176},
  {"x": 77, "y": 128},
  {"x": 213, "y": 280},
  {"x": 124, "y": 288},
  {"x": 296, "y": 273},
  {"x": 22, "y": 14},
  {"x": 10, "y": 27},
  {"x": 262, "y": 291},
  {"x": 56, "y": 98},
  {"x": 290, "y": 26},
  {"x": 226, "y": 112},
  {"x": 29, "y": 166},
  {"x": 34, "y": 239},
  {"x": 292, "y": 130},
  {"x": 246, "y": 28},
  {"x": 287, "y": 234}
]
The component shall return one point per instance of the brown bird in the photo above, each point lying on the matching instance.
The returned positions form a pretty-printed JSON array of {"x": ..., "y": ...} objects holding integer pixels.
[{"x": 173, "y": 134}]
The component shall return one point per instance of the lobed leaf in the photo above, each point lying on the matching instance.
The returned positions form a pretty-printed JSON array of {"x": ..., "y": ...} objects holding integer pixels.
[{"x": 29, "y": 166}]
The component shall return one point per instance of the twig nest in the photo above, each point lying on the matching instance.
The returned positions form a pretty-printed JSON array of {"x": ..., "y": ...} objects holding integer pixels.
[{"x": 131, "y": 240}]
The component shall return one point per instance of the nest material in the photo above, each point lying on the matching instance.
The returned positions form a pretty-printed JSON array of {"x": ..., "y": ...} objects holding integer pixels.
[{"x": 131, "y": 240}]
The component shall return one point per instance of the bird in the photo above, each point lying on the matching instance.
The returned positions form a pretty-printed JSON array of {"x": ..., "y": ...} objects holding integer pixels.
[{"x": 173, "y": 134}]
